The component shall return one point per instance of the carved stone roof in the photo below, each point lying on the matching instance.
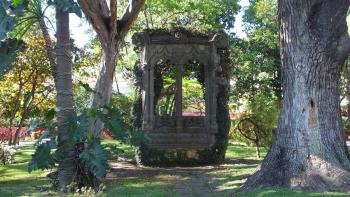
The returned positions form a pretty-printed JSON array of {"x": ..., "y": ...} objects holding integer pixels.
[{"x": 181, "y": 36}]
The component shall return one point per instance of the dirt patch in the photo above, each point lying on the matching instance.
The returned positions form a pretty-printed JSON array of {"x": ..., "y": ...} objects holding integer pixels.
[{"x": 185, "y": 181}]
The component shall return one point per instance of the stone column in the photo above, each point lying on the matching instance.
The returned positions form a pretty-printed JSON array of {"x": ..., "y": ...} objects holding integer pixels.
[
  {"x": 146, "y": 90},
  {"x": 151, "y": 97},
  {"x": 207, "y": 97},
  {"x": 178, "y": 97},
  {"x": 145, "y": 97},
  {"x": 213, "y": 88}
]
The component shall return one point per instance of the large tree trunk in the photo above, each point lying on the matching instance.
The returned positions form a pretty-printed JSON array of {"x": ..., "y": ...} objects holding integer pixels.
[
  {"x": 104, "y": 84},
  {"x": 309, "y": 151},
  {"x": 65, "y": 110}
]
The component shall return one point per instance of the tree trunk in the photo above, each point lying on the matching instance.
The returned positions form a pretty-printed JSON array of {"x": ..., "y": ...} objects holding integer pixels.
[
  {"x": 257, "y": 148},
  {"x": 15, "y": 110},
  {"x": 48, "y": 45},
  {"x": 65, "y": 110},
  {"x": 309, "y": 150},
  {"x": 25, "y": 109},
  {"x": 104, "y": 84}
]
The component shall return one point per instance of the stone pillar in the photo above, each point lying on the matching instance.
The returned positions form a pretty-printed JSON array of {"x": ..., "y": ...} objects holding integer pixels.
[
  {"x": 145, "y": 97},
  {"x": 207, "y": 97},
  {"x": 178, "y": 97},
  {"x": 151, "y": 97},
  {"x": 213, "y": 88},
  {"x": 146, "y": 90}
]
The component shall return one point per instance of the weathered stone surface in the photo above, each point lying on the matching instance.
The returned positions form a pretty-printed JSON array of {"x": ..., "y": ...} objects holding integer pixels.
[{"x": 178, "y": 132}]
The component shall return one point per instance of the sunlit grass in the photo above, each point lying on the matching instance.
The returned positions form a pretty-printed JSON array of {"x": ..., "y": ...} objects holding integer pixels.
[
  {"x": 127, "y": 150},
  {"x": 240, "y": 150},
  {"x": 19, "y": 169}
]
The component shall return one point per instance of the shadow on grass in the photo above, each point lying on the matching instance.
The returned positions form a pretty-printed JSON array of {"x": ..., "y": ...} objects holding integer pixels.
[
  {"x": 242, "y": 161},
  {"x": 26, "y": 187},
  {"x": 136, "y": 188}
]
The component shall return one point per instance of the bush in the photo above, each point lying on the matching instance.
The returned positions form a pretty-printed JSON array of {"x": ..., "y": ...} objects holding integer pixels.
[
  {"x": 124, "y": 104},
  {"x": 91, "y": 155},
  {"x": 6, "y": 154},
  {"x": 259, "y": 121}
]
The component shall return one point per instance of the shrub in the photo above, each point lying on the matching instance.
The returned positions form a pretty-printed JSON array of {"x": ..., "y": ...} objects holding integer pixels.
[
  {"x": 259, "y": 121},
  {"x": 6, "y": 154}
]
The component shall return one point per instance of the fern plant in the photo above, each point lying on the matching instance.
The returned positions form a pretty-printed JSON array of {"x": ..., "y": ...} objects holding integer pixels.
[{"x": 91, "y": 153}]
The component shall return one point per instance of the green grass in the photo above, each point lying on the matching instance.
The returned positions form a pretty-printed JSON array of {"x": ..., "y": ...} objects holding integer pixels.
[
  {"x": 127, "y": 151},
  {"x": 136, "y": 187},
  {"x": 16, "y": 181},
  {"x": 286, "y": 193},
  {"x": 18, "y": 169},
  {"x": 240, "y": 150}
]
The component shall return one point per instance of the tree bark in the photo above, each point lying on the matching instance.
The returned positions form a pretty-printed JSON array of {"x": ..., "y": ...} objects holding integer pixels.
[
  {"x": 48, "y": 46},
  {"x": 65, "y": 110},
  {"x": 104, "y": 84},
  {"x": 309, "y": 151}
]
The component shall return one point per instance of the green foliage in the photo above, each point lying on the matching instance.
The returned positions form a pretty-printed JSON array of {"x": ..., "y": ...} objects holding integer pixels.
[
  {"x": 193, "y": 95},
  {"x": 91, "y": 152},
  {"x": 8, "y": 52},
  {"x": 257, "y": 74},
  {"x": 95, "y": 157},
  {"x": 124, "y": 104},
  {"x": 67, "y": 5},
  {"x": 10, "y": 11},
  {"x": 259, "y": 121},
  {"x": 46, "y": 122},
  {"x": 257, "y": 58},
  {"x": 113, "y": 121},
  {"x": 26, "y": 90},
  {"x": 45, "y": 157},
  {"x": 214, "y": 14},
  {"x": 346, "y": 124}
]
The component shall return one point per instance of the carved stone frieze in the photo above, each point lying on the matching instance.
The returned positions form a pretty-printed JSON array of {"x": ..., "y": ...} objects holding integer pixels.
[
  {"x": 193, "y": 121},
  {"x": 165, "y": 121}
]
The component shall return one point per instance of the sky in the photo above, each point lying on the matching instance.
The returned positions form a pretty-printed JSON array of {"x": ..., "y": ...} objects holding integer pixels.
[{"x": 238, "y": 27}]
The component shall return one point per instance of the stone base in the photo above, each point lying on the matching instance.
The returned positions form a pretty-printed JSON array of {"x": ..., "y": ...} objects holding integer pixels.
[{"x": 176, "y": 157}]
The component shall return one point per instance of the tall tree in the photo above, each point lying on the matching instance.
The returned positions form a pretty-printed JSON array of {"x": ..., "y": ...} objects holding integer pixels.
[
  {"x": 309, "y": 151},
  {"x": 258, "y": 59},
  {"x": 65, "y": 104},
  {"x": 27, "y": 89},
  {"x": 111, "y": 32}
]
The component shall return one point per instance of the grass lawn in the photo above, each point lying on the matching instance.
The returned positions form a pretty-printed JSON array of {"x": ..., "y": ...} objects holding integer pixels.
[{"x": 16, "y": 181}]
